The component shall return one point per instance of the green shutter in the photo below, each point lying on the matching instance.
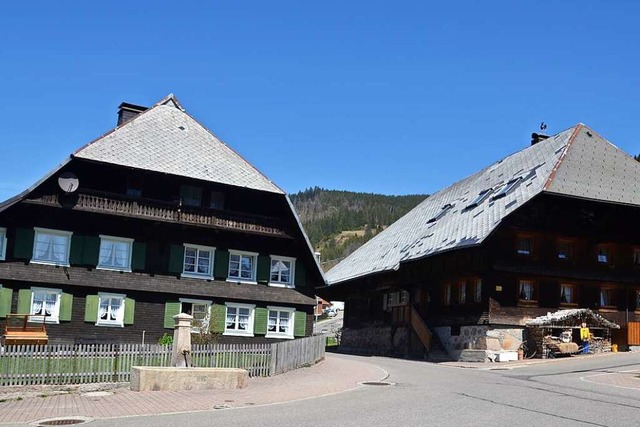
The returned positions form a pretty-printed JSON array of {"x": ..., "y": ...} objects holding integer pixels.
[
  {"x": 5, "y": 301},
  {"x": 221, "y": 270},
  {"x": 90, "y": 250},
  {"x": 91, "y": 308},
  {"x": 138, "y": 255},
  {"x": 24, "y": 301},
  {"x": 129, "y": 309},
  {"x": 218, "y": 318},
  {"x": 23, "y": 246},
  {"x": 301, "y": 274},
  {"x": 300, "y": 324},
  {"x": 176, "y": 259},
  {"x": 170, "y": 310},
  {"x": 77, "y": 248},
  {"x": 260, "y": 321},
  {"x": 66, "y": 303},
  {"x": 264, "y": 267}
]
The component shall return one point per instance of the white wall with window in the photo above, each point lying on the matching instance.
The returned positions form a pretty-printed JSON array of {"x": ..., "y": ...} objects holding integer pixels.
[
  {"x": 239, "y": 319},
  {"x": 45, "y": 302},
  {"x": 3, "y": 243},
  {"x": 242, "y": 266},
  {"x": 198, "y": 261},
  {"x": 282, "y": 271},
  {"x": 51, "y": 246},
  {"x": 110, "y": 309},
  {"x": 280, "y": 322},
  {"x": 200, "y": 310},
  {"x": 115, "y": 253}
]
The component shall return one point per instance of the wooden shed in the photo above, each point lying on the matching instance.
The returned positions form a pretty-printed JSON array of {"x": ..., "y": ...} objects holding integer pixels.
[{"x": 559, "y": 332}]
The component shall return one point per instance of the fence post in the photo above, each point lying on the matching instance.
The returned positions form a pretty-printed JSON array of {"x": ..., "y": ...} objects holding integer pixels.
[{"x": 272, "y": 361}]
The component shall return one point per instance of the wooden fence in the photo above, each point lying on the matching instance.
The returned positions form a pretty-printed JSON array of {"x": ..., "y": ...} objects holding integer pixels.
[{"x": 81, "y": 364}]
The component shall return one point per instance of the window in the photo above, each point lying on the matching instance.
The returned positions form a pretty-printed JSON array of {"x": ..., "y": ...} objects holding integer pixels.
[
  {"x": 200, "y": 310},
  {"x": 565, "y": 249},
  {"x": 506, "y": 188},
  {"x": 525, "y": 245},
  {"x": 115, "y": 253},
  {"x": 480, "y": 198},
  {"x": 3, "y": 243},
  {"x": 280, "y": 322},
  {"x": 567, "y": 293},
  {"x": 217, "y": 200},
  {"x": 198, "y": 261},
  {"x": 282, "y": 272},
  {"x": 134, "y": 185},
  {"x": 603, "y": 255},
  {"x": 242, "y": 266},
  {"x": 190, "y": 195},
  {"x": 110, "y": 309},
  {"x": 397, "y": 298},
  {"x": 636, "y": 256},
  {"x": 239, "y": 319},
  {"x": 440, "y": 214},
  {"x": 462, "y": 292},
  {"x": 45, "y": 302},
  {"x": 527, "y": 291},
  {"x": 51, "y": 246},
  {"x": 477, "y": 291},
  {"x": 637, "y": 300},
  {"x": 607, "y": 297},
  {"x": 447, "y": 294}
]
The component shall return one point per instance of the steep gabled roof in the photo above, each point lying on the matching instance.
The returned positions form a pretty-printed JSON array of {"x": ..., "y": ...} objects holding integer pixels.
[
  {"x": 576, "y": 162},
  {"x": 167, "y": 139}
]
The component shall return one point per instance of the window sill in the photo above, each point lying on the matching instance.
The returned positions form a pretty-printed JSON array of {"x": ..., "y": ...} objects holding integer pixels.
[
  {"x": 122, "y": 270},
  {"x": 112, "y": 325},
  {"x": 568, "y": 304},
  {"x": 55, "y": 264},
  {"x": 608, "y": 309},
  {"x": 237, "y": 334},
  {"x": 196, "y": 276},
  {"x": 282, "y": 336},
  {"x": 248, "y": 282},
  {"x": 281, "y": 285},
  {"x": 527, "y": 303},
  {"x": 38, "y": 319}
]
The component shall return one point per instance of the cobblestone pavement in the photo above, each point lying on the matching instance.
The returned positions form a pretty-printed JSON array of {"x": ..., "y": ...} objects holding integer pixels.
[{"x": 333, "y": 375}]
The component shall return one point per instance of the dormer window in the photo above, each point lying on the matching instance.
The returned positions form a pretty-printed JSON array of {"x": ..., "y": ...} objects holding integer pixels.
[
  {"x": 480, "y": 198},
  {"x": 525, "y": 245},
  {"x": 440, "y": 214},
  {"x": 507, "y": 188},
  {"x": 190, "y": 195}
]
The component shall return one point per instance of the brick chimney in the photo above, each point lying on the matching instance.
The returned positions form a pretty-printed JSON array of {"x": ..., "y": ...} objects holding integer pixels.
[
  {"x": 538, "y": 137},
  {"x": 128, "y": 111}
]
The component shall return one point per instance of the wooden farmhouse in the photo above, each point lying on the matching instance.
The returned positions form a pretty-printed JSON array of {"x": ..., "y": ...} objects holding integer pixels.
[
  {"x": 154, "y": 218},
  {"x": 553, "y": 226}
]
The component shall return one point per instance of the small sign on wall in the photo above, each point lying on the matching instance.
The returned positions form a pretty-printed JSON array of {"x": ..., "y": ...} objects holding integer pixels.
[{"x": 498, "y": 288}]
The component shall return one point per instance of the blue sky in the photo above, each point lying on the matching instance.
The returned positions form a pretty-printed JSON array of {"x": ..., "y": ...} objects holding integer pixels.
[{"x": 388, "y": 97}]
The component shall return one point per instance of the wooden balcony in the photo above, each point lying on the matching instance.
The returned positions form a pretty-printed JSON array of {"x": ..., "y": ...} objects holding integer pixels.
[{"x": 158, "y": 210}]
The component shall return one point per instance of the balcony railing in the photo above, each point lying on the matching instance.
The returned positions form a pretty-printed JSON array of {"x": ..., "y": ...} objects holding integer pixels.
[{"x": 157, "y": 210}]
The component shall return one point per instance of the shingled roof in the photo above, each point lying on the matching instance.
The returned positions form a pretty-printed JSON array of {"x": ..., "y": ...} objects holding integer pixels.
[
  {"x": 576, "y": 162},
  {"x": 165, "y": 138}
]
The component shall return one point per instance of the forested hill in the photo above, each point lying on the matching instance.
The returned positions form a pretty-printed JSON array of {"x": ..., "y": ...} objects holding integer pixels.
[{"x": 338, "y": 222}]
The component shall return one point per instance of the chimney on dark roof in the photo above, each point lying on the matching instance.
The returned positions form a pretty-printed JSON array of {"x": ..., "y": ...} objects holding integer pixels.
[
  {"x": 538, "y": 137},
  {"x": 128, "y": 111}
]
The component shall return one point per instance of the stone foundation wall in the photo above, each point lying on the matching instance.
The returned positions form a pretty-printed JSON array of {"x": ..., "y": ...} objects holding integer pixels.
[
  {"x": 479, "y": 337},
  {"x": 376, "y": 339}
]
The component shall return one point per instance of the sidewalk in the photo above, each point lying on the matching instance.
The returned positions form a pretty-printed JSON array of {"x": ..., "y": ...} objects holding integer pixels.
[{"x": 335, "y": 374}]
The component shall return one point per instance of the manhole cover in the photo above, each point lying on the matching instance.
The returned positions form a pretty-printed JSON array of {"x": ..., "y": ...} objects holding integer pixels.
[
  {"x": 376, "y": 383},
  {"x": 63, "y": 421}
]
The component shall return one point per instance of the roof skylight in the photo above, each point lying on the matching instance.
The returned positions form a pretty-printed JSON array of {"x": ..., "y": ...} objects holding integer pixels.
[
  {"x": 440, "y": 214},
  {"x": 480, "y": 198},
  {"x": 507, "y": 188}
]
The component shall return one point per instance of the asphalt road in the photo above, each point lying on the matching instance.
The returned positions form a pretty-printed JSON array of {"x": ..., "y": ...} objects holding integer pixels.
[
  {"x": 564, "y": 393},
  {"x": 329, "y": 325}
]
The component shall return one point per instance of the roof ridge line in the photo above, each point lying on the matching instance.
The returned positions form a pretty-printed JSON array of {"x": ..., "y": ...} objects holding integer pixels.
[{"x": 572, "y": 138}]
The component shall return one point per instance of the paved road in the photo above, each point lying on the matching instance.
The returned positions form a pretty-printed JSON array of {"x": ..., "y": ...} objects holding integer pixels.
[
  {"x": 589, "y": 391},
  {"x": 329, "y": 325}
]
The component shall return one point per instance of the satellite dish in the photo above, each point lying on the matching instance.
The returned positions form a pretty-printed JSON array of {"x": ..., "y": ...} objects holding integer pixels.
[{"x": 68, "y": 182}]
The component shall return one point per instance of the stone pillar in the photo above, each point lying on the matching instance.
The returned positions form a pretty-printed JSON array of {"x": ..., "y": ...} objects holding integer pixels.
[{"x": 181, "y": 357}]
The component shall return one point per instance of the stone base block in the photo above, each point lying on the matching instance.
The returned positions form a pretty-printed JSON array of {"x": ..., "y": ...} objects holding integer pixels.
[
  {"x": 153, "y": 378},
  {"x": 468, "y": 355}
]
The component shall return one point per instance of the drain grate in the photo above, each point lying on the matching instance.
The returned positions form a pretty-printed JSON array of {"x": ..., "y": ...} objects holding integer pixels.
[
  {"x": 378, "y": 383},
  {"x": 62, "y": 421}
]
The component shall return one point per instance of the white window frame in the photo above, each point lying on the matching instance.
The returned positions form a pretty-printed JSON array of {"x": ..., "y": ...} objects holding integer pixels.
[
  {"x": 292, "y": 272},
  {"x": 236, "y": 332},
  {"x": 58, "y": 233},
  {"x": 572, "y": 293},
  {"x": 254, "y": 266},
  {"x": 114, "y": 239},
  {"x": 287, "y": 335},
  {"x": 114, "y": 323},
  {"x": 3, "y": 243},
  {"x": 198, "y": 249},
  {"x": 206, "y": 321},
  {"x": 55, "y": 313}
]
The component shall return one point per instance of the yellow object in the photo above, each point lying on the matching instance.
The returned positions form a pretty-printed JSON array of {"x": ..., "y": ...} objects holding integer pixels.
[
  {"x": 584, "y": 334},
  {"x": 614, "y": 348}
]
